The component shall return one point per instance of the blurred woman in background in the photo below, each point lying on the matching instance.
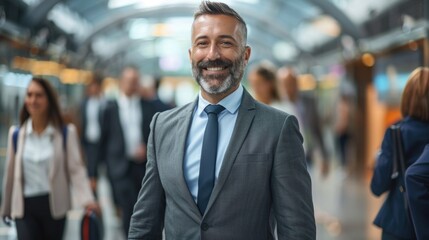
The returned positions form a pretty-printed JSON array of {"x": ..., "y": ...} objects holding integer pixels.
[
  {"x": 393, "y": 218},
  {"x": 43, "y": 164},
  {"x": 262, "y": 79}
]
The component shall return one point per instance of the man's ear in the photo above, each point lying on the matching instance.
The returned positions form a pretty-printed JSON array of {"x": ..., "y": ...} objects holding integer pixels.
[
  {"x": 189, "y": 54},
  {"x": 247, "y": 52}
]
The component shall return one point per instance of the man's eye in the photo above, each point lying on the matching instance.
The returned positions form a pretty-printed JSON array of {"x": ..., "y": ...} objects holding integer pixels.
[
  {"x": 202, "y": 44},
  {"x": 226, "y": 44}
]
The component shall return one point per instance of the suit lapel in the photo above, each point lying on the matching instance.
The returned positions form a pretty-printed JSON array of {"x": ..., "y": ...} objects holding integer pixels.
[
  {"x": 246, "y": 113},
  {"x": 58, "y": 154},
  {"x": 20, "y": 152},
  {"x": 183, "y": 125},
  {"x": 116, "y": 123}
]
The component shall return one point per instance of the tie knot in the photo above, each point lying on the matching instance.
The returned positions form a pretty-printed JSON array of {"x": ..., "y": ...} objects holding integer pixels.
[{"x": 216, "y": 109}]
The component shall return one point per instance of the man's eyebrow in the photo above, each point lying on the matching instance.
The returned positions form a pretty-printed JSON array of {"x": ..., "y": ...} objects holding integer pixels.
[
  {"x": 200, "y": 37},
  {"x": 227, "y": 36}
]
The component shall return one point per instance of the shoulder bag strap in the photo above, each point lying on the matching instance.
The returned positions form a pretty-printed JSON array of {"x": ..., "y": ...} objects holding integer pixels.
[
  {"x": 15, "y": 139},
  {"x": 399, "y": 160},
  {"x": 64, "y": 134},
  {"x": 395, "y": 172}
]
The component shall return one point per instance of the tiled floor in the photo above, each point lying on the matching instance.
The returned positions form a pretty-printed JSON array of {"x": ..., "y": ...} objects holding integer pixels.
[{"x": 344, "y": 209}]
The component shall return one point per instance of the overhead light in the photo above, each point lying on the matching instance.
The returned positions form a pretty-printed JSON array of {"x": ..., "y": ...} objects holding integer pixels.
[
  {"x": 139, "y": 29},
  {"x": 368, "y": 60},
  {"x": 284, "y": 51},
  {"x": 121, "y": 3},
  {"x": 161, "y": 30},
  {"x": 31, "y": 2},
  {"x": 327, "y": 25}
]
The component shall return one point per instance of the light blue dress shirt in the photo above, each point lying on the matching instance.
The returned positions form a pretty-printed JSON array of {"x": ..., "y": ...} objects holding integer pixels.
[{"x": 194, "y": 142}]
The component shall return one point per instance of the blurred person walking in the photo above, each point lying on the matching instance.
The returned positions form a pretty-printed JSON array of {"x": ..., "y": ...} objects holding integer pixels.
[
  {"x": 417, "y": 183},
  {"x": 224, "y": 165},
  {"x": 343, "y": 127},
  {"x": 43, "y": 164},
  {"x": 262, "y": 79},
  {"x": 393, "y": 218},
  {"x": 125, "y": 132},
  {"x": 150, "y": 93},
  {"x": 91, "y": 119},
  {"x": 305, "y": 108}
]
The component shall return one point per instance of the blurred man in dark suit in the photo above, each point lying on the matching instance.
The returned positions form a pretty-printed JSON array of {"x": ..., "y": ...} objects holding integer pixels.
[
  {"x": 125, "y": 133},
  {"x": 91, "y": 120}
]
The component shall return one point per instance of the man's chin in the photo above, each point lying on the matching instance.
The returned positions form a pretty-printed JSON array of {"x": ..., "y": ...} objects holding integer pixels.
[{"x": 213, "y": 86}]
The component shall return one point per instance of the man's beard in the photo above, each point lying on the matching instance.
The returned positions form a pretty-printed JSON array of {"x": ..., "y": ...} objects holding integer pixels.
[{"x": 224, "y": 81}]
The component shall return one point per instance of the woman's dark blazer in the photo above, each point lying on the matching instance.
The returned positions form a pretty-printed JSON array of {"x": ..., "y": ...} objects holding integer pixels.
[
  {"x": 417, "y": 182},
  {"x": 392, "y": 217}
]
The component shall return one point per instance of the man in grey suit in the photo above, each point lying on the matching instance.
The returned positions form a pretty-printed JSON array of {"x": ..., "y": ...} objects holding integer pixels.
[{"x": 224, "y": 166}]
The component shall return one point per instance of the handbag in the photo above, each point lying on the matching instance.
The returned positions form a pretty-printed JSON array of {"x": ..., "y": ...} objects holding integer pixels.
[{"x": 91, "y": 227}]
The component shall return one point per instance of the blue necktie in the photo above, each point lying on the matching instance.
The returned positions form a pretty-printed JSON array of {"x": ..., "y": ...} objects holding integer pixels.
[{"x": 208, "y": 157}]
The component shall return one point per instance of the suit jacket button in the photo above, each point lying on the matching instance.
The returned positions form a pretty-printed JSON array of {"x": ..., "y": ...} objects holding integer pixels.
[{"x": 204, "y": 226}]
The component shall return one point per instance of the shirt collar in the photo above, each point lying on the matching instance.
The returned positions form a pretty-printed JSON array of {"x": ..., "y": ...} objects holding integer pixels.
[
  {"x": 126, "y": 101},
  {"x": 231, "y": 102},
  {"x": 49, "y": 130}
]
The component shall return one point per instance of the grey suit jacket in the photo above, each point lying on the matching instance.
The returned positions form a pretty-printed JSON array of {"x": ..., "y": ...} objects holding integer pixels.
[{"x": 263, "y": 172}]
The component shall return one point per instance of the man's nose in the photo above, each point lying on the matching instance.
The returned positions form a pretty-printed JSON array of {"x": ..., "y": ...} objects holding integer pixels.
[{"x": 213, "y": 53}]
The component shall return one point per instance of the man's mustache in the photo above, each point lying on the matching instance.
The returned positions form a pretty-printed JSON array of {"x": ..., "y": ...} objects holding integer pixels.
[{"x": 216, "y": 63}]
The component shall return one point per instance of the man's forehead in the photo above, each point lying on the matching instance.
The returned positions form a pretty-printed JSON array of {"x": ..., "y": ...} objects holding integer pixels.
[{"x": 215, "y": 19}]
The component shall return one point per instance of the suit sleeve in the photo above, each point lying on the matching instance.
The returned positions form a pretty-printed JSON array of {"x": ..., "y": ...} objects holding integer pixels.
[
  {"x": 8, "y": 176},
  {"x": 291, "y": 186},
  {"x": 381, "y": 180},
  {"x": 78, "y": 176},
  {"x": 147, "y": 221}
]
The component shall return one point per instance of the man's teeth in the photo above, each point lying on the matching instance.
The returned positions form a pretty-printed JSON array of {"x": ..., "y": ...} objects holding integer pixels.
[{"x": 215, "y": 69}]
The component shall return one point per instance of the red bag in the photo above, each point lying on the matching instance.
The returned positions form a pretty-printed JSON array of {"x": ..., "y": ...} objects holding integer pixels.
[{"x": 91, "y": 227}]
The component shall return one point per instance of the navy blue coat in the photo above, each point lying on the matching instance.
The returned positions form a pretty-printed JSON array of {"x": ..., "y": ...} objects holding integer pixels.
[
  {"x": 392, "y": 217},
  {"x": 417, "y": 183}
]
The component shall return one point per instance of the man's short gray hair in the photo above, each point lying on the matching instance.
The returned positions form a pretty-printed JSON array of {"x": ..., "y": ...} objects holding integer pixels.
[{"x": 218, "y": 8}]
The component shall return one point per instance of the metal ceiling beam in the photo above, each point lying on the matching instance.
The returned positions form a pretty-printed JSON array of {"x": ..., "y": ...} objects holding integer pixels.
[
  {"x": 426, "y": 9},
  {"x": 345, "y": 22},
  {"x": 113, "y": 19},
  {"x": 37, "y": 13}
]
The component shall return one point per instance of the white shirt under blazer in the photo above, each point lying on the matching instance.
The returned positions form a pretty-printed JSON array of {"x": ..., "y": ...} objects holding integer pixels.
[{"x": 60, "y": 186}]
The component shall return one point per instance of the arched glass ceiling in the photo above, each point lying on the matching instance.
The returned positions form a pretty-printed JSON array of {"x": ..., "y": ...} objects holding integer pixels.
[{"x": 159, "y": 31}]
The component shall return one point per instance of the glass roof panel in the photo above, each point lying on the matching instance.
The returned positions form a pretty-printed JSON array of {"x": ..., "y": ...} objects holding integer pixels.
[
  {"x": 32, "y": 2},
  {"x": 69, "y": 21},
  {"x": 361, "y": 10},
  {"x": 158, "y": 3}
]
